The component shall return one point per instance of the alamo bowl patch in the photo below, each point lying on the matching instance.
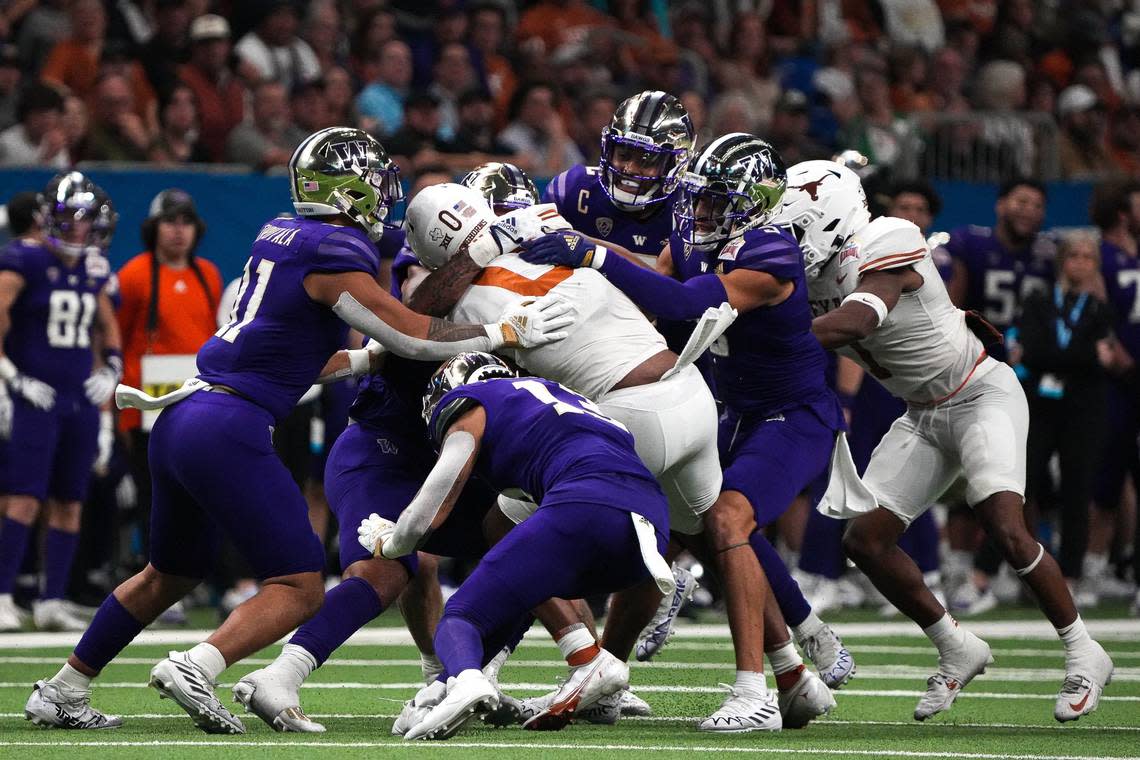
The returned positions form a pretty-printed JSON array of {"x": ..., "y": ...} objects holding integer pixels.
[
  {"x": 850, "y": 251},
  {"x": 605, "y": 225},
  {"x": 728, "y": 253}
]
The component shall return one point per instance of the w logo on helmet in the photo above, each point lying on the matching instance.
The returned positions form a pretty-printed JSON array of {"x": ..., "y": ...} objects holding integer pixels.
[{"x": 347, "y": 154}]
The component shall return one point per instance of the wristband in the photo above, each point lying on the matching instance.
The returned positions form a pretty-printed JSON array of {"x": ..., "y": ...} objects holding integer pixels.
[
  {"x": 8, "y": 370},
  {"x": 113, "y": 358},
  {"x": 871, "y": 300},
  {"x": 595, "y": 258},
  {"x": 359, "y": 361}
]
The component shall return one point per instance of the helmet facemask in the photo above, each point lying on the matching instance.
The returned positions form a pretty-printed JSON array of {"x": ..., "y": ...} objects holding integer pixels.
[
  {"x": 636, "y": 172},
  {"x": 79, "y": 218}
]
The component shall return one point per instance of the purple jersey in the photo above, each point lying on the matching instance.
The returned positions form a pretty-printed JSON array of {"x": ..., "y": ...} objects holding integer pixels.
[
  {"x": 556, "y": 446},
  {"x": 1122, "y": 282},
  {"x": 999, "y": 279},
  {"x": 580, "y": 199},
  {"x": 278, "y": 339},
  {"x": 50, "y": 334},
  {"x": 767, "y": 361}
]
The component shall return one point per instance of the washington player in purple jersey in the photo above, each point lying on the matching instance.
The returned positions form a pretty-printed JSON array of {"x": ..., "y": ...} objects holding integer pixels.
[
  {"x": 600, "y": 527},
  {"x": 54, "y": 296},
  {"x": 781, "y": 418},
  {"x": 212, "y": 462}
]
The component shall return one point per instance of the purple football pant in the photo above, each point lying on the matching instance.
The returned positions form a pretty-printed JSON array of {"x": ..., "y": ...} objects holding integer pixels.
[
  {"x": 52, "y": 452},
  {"x": 215, "y": 473}
]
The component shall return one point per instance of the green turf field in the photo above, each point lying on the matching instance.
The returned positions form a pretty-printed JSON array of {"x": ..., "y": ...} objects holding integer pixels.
[{"x": 1004, "y": 715}]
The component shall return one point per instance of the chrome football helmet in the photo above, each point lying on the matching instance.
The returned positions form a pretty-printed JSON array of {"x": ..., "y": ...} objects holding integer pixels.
[
  {"x": 645, "y": 149},
  {"x": 461, "y": 369},
  {"x": 79, "y": 218},
  {"x": 505, "y": 186}
]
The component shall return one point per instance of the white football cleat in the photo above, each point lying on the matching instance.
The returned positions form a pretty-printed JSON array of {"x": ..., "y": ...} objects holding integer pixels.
[
  {"x": 54, "y": 615},
  {"x": 468, "y": 693},
  {"x": 179, "y": 679},
  {"x": 634, "y": 706},
  {"x": 419, "y": 706},
  {"x": 600, "y": 677},
  {"x": 54, "y": 706},
  {"x": 510, "y": 712},
  {"x": 743, "y": 712},
  {"x": 272, "y": 698},
  {"x": 11, "y": 616},
  {"x": 831, "y": 659},
  {"x": 955, "y": 670},
  {"x": 655, "y": 635},
  {"x": 1085, "y": 679},
  {"x": 605, "y": 712},
  {"x": 808, "y": 699}
]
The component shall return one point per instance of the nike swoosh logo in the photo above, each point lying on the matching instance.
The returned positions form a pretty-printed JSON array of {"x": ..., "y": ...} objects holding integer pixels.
[
  {"x": 839, "y": 280},
  {"x": 1081, "y": 705}
]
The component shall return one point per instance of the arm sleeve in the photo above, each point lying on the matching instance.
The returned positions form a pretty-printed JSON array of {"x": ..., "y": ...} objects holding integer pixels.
[
  {"x": 345, "y": 251},
  {"x": 357, "y": 316},
  {"x": 664, "y": 296}
]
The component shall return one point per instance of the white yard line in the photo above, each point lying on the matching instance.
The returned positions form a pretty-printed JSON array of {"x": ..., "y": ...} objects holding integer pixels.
[{"x": 858, "y": 647}]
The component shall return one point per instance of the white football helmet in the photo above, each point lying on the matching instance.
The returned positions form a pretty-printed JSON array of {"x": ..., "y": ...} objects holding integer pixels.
[
  {"x": 443, "y": 219},
  {"x": 824, "y": 205}
]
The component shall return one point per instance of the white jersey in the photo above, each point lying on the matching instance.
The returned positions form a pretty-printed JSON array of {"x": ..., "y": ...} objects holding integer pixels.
[
  {"x": 609, "y": 338},
  {"x": 923, "y": 351}
]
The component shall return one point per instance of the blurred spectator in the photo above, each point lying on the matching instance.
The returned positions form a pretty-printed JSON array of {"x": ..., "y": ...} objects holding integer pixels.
[
  {"x": 887, "y": 140},
  {"x": 74, "y": 61},
  {"x": 273, "y": 51},
  {"x": 1124, "y": 139},
  {"x": 537, "y": 131},
  {"x": 117, "y": 59},
  {"x": 913, "y": 22},
  {"x": 177, "y": 141},
  {"x": 948, "y": 72},
  {"x": 75, "y": 124},
  {"x": 692, "y": 32},
  {"x": 417, "y": 142},
  {"x": 1042, "y": 95},
  {"x": 643, "y": 46},
  {"x": 746, "y": 67},
  {"x": 9, "y": 84},
  {"x": 38, "y": 139},
  {"x": 732, "y": 112},
  {"x": 169, "y": 47},
  {"x": 219, "y": 94},
  {"x": 788, "y": 133},
  {"x": 263, "y": 142},
  {"x": 910, "y": 73},
  {"x": 487, "y": 31},
  {"x": 310, "y": 111},
  {"x": 374, "y": 30},
  {"x": 549, "y": 24},
  {"x": 694, "y": 103},
  {"x": 597, "y": 111},
  {"x": 117, "y": 133},
  {"x": 916, "y": 201},
  {"x": 454, "y": 76},
  {"x": 1065, "y": 350},
  {"x": 43, "y": 26},
  {"x": 477, "y": 133},
  {"x": 382, "y": 100},
  {"x": 339, "y": 96},
  {"x": 324, "y": 34},
  {"x": 1015, "y": 36},
  {"x": 1083, "y": 145}
]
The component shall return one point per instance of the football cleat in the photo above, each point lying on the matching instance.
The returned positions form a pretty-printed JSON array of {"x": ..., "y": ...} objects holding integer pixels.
[
  {"x": 419, "y": 706},
  {"x": 54, "y": 615},
  {"x": 808, "y": 699},
  {"x": 634, "y": 706},
  {"x": 510, "y": 712},
  {"x": 467, "y": 694},
  {"x": 600, "y": 677},
  {"x": 271, "y": 698},
  {"x": 605, "y": 712},
  {"x": 832, "y": 661},
  {"x": 955, "y": 670},
  {"x": 54, "y": 706},
  {"x": 492, "y": 668},
  {"x": 178, "y": 679},
  {"x": 11, "y": 616},
  {"x": 743, "y": 712},
  {"x": 1085, "y": 679},
  {"x": 655, "y": 635}
]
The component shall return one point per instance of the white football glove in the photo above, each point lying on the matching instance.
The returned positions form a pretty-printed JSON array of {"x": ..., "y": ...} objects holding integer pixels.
[
  {"x": 105, "y": 443},
  {"x": 5, "y": 413},
  {"x": 36, "y": 392},
  {"x": 518, "y": 226},
  {"x": 528, "y": 324},
  {"x": 100, "y": 386},
  {"x": 361, "y": 361},
  {"x": 373, "y": 531}
]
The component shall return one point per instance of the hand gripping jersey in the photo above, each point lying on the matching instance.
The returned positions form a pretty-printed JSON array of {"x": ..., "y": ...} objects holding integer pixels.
[
  {"x": 609, "y": 339},
  {"x": 278, "y": 339},
  {"x": 50, "y": 335},
  {"x": 556, "y": 446},
  {"x": 922, "y": 351},
  {"x": 578, "y": 194}
]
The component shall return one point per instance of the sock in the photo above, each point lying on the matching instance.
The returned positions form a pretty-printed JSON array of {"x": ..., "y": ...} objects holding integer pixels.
[
  {"x": 112, "y": 628},
  {"x": 1075, "y": 636},
  {"x": 945, "y": 634},
  {"x": 458, "y": 644},
  {"x": 295, "y": 663},
  {"x": 809, "y": 627},
  {"x": 577, "y": 645},
  {"x": 786, "y": 664},
  {"x": 59, "y": 552},
  {"x": 787, "y": 592},
  {"x": 751, "y": 682},
  {"x": 958, "y": 564},
  {"x": 207, "y": 659},
  {"x": 347, "y": 608},
  {"x": 430, "y": 667},
  {"x": 1095, "y": 566},
  {"x": 13, "y": 543},
  {"x": 822, "y": 551},
  {"x": 71, "y": 679}
]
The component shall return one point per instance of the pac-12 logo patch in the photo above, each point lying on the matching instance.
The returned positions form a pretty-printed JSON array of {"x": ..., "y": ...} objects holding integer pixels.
[{"x": 605, "y": 226}]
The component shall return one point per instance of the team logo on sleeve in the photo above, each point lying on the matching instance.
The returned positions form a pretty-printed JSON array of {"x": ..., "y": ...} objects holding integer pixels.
[
  {"x": 605, "y": 225},
  {"x": 728, "y": 253},
  {"x": 850, "y": 251}
]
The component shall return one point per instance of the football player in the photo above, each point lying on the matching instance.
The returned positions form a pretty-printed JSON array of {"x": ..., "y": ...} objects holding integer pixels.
[
  {"x": 54, "y": 294},
  {"x": 212, "y": 461},
  {"x": 884, "y": 305},
  {"x": 781, "y": 420},
  {"x": 601, "y": 524}
]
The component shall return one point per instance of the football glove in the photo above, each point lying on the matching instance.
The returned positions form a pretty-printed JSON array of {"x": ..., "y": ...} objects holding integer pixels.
[
  {"x": 100, "y": 386},
  {"x": 528, "y": 324},
  {"x": 5, "y": 413},
  {"x": 36, "y": 392},
  {"x": 373, "y": 531},
  {"x": 562, "y": 248}
]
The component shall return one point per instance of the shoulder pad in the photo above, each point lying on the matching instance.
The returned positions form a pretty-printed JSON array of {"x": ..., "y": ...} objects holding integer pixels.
[{"x": 890, "y": 243}]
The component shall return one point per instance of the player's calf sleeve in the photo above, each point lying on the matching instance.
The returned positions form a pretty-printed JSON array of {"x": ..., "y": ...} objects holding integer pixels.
[
  {"x": 13, "y": 544},
  {"x": 346, "y": 609},
  {"x": 112, "y": 628},
  {"x": 458, "y": 644},
  {"x": 59, "y": 553},
  {"x": 793, "y": 605}
]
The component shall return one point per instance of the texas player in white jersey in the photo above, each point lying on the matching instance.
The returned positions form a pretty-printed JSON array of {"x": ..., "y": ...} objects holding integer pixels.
[{"x": 878, "y": 298}]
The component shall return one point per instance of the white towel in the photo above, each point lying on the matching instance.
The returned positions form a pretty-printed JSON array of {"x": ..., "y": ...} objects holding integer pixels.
[
  {"x": 710, "y": 326},
  {"x": 127, "y": 397},
  {"x": 654, "y": 562},
  {"x": 846, "y": 496}
]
